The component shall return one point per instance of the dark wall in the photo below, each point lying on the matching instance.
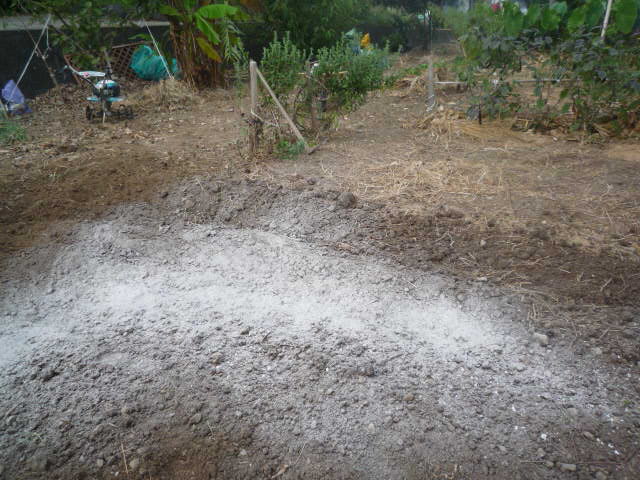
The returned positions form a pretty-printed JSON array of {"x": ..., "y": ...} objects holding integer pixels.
[{"x": 16, "y": 46}]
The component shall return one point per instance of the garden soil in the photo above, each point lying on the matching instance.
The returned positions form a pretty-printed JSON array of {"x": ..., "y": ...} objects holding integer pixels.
[{"x": 171, "y": 309}]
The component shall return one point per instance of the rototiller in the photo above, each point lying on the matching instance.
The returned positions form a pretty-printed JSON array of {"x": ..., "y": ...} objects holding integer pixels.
[{"x": 106, "y": 92}]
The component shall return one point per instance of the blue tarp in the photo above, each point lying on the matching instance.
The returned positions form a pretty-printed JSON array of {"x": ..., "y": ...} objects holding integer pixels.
[
  {"x": 13, "y": 98},
  {"x": 150, "y": 66}
]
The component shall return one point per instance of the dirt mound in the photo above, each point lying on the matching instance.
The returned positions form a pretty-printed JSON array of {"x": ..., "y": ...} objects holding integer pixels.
[
  {"x": 446, "y": 240},
  {"x": 239, "y": 331}
]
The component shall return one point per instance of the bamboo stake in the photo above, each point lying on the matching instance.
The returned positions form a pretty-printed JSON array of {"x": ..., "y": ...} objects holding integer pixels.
[{"x": 606, "y": 19}]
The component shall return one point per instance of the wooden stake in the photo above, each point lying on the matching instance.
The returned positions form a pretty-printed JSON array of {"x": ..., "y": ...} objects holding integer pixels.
[
  {"x": 253, "y": 67},
  {"x": 253, "y": 121},
  {"x": 284, "y": 113},
  {"x": 431, "y": 99},
  {"x": 606, "y": 19},
  {"x": 313, "y": 108}
]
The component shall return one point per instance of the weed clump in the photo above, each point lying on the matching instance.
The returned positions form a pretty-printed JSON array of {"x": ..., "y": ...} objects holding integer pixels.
[{"x": 11, "y": 131}]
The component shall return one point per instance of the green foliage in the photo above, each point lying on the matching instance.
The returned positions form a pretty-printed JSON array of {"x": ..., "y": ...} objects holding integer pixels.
[
  {"x": 603, "y": 77},
  {"x": 414, "y": 6},
  {"x": 313, "y": 24},
  {"x": 282, "y": 63},
  {"x": 344, "y": 73},
  {"x": 347, "y": 75},
  {"x": 287, "y": 150},
  {"x": 240, "y": 72},
  {"x": 586, "y": 16},
  {"x": 600, "y": 77},
  {"x": 389, "y": 25},
  {"x": 11, "y": 131},
  {"x": 625, "y": 13},
  {"x": 219, "y": 38}
]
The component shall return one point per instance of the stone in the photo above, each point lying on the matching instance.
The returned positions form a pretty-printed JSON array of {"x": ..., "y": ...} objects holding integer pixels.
[
  {"x": 541, "y": 453},
  {"x": 588, "y": 435},
  {"x": 346, "y": 200},
  {"x": 39, "y": 463},
  {"x": 127, "y": 409},
  {"x": 49, "y": 374},
  {"x": 541, "y": 338},
  {"x": 100, "y": 463},
  {"x": 134, "y": 464},
  {"x": 217, "y": 358},
  {"x": 600, "y": 475},
  {"x": 568, "y": 467},
  {"x": 367, "y": 371},
  {"x": 196, "y": 419},
  {"x": 245, "y": 331},
  {"x": 371, "y": 428}
]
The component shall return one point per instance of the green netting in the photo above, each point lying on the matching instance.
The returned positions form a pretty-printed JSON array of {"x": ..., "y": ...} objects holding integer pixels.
[{"x": 150, "y": 66}]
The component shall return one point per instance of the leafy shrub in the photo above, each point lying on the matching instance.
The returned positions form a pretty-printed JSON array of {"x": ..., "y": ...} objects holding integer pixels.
[
  {"x": 347, "y": 75},
  {"x": 600, "y": 76},
  {"x": 287, "y": 150},
  {"x": 282, "y": 63},
  {"x": 603, "y": 78}
]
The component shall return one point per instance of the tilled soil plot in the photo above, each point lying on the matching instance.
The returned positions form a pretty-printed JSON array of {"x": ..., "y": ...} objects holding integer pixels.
[{"x": 246, "y": 331}]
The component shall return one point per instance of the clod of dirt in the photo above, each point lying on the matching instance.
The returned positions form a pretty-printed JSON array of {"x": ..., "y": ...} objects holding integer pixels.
[
  {"x": 347, "y": 200},
  {"x": 449, "y": 212},
  {"x": 134, "y": 464},
  {"x": 217, "y": 358},
  {"x": 67, "y": 148},
  {"x": 568, "y": 467},
  {"x": 541, "y": 338}
]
